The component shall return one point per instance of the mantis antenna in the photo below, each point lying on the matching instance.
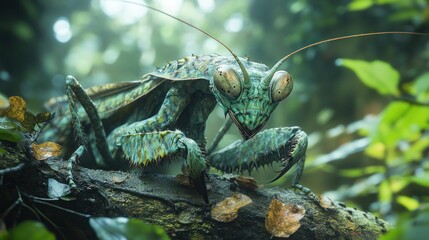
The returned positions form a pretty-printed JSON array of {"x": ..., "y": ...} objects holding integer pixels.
[{"x": 267, "y": 78}]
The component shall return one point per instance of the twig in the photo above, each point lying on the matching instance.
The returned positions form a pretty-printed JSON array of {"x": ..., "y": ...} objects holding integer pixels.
[
  {"x": 12, "y": 169},
  {"x": 49, "y": 221},
  {"x": 61, "y": 208}
]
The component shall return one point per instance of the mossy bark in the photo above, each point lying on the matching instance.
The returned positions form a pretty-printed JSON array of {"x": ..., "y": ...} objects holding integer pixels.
[{"x": 179, "y": 209}]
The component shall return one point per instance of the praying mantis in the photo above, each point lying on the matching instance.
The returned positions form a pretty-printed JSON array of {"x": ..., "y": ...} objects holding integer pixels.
[{"x": 163, "y": 115}]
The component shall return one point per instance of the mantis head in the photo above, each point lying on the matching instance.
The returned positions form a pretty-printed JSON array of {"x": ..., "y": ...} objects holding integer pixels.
[{"x": 249, "y": 99}]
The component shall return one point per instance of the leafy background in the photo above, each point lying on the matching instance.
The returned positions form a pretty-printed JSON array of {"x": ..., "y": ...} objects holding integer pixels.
[{"x": 359, "y": 100}]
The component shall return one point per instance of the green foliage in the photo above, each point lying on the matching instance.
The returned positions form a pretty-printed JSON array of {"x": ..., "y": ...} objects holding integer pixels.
[
  {"x": 105, "y": 228},
  {"x": 422, "y": 180},
  {"x": 28, "y": 230},
  {"x": 378, "y": 75},
  {"x": 10, "y": 130},
  {"x": 420, "y": 87},
  {"x": 400, "y": 142},
  {"x": 358, "y": 5},
  {"x": 411, "y": 225},
  {"x": 406, "y": 9},
  {"x": 399, "y": 122},
  {"x": 126, "y": 228}
]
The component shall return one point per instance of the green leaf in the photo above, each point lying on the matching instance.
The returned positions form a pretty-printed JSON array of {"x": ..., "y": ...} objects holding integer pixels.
[
  {"x": 376, "y": 150},
  {"x": 359, "y": 172},
  {"x": 384, "y": 192},
  {"x": 10, "y": 130},
  {"x": 420, "y": 87},
  {"x": 409, "y": 203},
  {"x": 358, "y": 5},
  {"x": 421, "y": 180},
  {"x": 10, "y": 135},
  {"x": 30, "y": 230},
  {"x": 3, "y": 151},
  {"x": 401, "y": 121},
  {"x": 417, "y": 149},
  {"x": 3, "y": 233},
  {"x": 378, "y": 75},
  {"x": 126, "y": 228},
  {"x": 410, "y": 226},
  {"x": 397, "y": 183}
]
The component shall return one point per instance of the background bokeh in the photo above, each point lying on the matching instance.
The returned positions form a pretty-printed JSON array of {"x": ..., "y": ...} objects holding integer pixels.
[{"x": 42, "y": 41}]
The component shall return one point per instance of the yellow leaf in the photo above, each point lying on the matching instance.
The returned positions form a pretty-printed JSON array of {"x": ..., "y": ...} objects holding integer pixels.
[
  {"x": 119, "y": 178},
  {"x": 227, "y": 209},
  {"x": 16, "y": 109},
  {"x": 282, "y": 220},
  {"x": 325, "y": 202},
  {"x": 46, "y": 150}
]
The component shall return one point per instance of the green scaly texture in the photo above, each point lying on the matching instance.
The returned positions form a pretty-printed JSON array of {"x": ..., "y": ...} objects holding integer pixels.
[{"x": 163, "y": 116}]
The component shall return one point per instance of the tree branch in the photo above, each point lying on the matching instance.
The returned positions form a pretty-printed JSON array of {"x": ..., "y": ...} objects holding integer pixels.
[{"x": 179, "y": 209}]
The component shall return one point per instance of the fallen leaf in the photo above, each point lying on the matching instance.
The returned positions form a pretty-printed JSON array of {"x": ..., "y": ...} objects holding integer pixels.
[
  {"x": 16, "y": 109},
  {"x": 119, "y": 178},
  {"x": 325, "y": 202},
  {"x": 282, "y": 220},
  {"x": 247, "y": 183},
  {"x": 29, "y": 121},
  {"x": 46, "y": 150},
  {"x": 183, "y": 179},
  {"x": 43, "y": 117},
  {"x": 57, "y": 189},
  {"x": 227, "y": 209}
]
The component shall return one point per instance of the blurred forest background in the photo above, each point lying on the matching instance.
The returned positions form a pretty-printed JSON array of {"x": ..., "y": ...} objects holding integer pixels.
[{"x": 367, "y": 120}]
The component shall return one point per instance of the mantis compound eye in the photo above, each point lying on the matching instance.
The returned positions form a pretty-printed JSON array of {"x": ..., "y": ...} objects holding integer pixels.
[
  {"x": 281, "y": 86},
  {"x": 227, "y": 82}
]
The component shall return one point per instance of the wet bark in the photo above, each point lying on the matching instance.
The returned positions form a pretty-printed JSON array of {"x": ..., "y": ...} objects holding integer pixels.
[{"x": 161, "y": 200}]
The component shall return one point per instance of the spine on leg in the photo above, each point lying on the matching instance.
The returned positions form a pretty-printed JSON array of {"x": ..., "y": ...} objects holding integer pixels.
[
  {"x": 152, "y": 147},
  {"x": 285, "y": 145}
]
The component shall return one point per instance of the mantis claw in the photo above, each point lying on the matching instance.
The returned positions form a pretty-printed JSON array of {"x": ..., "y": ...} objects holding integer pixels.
[
  {"x": 197, "y": 167},
  {"x": 200, "y": 185}
]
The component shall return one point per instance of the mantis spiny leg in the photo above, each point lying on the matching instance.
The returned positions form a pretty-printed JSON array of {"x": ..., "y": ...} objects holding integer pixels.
[{"x": 74, "y": 89}]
